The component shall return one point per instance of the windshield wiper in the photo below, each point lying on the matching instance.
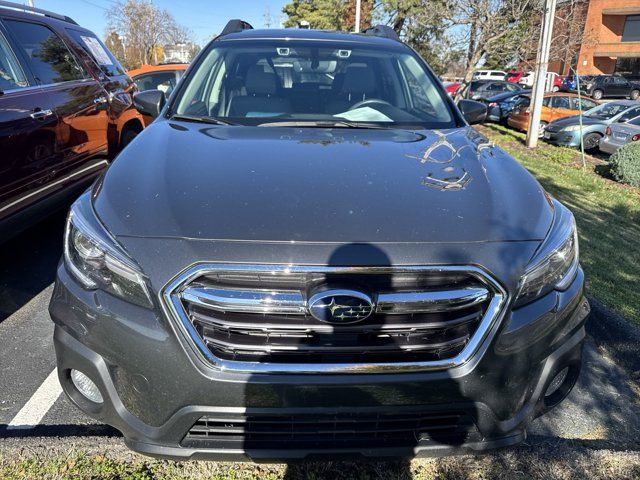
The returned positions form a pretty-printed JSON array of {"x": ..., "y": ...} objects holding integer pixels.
[
  {"x": 326, "y": 124},
  {"x": 195, "y": 118}
]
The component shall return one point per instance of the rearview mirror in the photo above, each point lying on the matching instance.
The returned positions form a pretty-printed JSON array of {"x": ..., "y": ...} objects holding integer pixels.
[
  {"x": 472, "y": 111},
  {"x": 149, "y": 102}
]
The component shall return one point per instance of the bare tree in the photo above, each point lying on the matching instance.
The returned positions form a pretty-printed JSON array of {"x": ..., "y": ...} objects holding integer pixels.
[
  {"x": 268, "y": 18},
  {"x": 569, "y": 33},
  {"x": 146, "y": 28},
  {"x": 488, "y": 27}
]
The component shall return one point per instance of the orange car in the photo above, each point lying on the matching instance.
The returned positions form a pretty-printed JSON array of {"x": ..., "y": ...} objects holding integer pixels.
[
  {"x": 554, "y": 106},
  {"x": 157, "y": 77}
]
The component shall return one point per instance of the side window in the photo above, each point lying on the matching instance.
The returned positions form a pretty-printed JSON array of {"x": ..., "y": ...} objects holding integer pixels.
[
  {"x": 582, "y": 104},
  {"x": 11, "y": 74},
  {"x": 97, "y": 50},
  {"x": 164, "y": 81},
  {"x": 422, "y": 91},
  {"x": 547, "y": 101},
  {"x": 621, "y": 81},
  {"x": 50, "y": 59},
  {"x": 635, "y": 121},
  {"x": 634, "y": 112},
  {"x": 561, "y": 102}
]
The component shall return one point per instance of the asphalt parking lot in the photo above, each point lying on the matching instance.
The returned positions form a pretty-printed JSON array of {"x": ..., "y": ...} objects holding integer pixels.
[{"x": 602, "y": 412}]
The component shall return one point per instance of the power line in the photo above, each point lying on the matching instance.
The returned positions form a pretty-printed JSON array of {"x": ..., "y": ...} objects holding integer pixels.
[{"x": 95, "y": 5}]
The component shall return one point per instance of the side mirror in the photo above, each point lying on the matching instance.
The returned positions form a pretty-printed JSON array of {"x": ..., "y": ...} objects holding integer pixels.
[
  {"x": 472, "y": 111},
  {"x": 149, "y": 102}
]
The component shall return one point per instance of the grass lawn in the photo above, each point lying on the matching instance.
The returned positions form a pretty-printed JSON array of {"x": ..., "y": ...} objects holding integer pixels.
[
  {"x": 566, "y": 462},
  {"x": 607, "y": 213}
]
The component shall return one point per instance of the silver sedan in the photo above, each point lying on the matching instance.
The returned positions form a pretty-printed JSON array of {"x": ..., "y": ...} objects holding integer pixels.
[{"x": 618, "y": 135}]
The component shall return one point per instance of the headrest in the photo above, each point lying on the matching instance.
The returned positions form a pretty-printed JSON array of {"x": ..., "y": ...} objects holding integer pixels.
[
  {"x": 359, "y": 80},
  {"x": 259, "y": 82}
]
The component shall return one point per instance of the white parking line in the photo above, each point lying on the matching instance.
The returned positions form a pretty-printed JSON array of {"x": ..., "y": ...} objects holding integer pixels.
[{"x": 39, "y": 404}]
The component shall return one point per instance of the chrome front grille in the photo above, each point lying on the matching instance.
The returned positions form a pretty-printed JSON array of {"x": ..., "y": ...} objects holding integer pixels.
[{"x": 257, "y": 318}]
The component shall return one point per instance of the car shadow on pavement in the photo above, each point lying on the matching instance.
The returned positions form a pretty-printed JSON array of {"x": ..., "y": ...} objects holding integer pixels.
[
  {"x": 345, "y": 410},
  {"x": 28, "y": 263}
]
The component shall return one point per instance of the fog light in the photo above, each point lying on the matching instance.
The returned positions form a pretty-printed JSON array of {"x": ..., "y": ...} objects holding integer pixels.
[
  {"x": 557, "y": 381},
  {"x": 86, "y": 386}
]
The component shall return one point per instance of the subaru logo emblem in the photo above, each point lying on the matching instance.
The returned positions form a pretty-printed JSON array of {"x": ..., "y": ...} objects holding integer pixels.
[{"x": 340, "y": 306}]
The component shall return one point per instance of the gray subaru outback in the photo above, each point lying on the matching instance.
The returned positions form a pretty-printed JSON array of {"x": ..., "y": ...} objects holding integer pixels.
[{"x": 311, "y": 254}]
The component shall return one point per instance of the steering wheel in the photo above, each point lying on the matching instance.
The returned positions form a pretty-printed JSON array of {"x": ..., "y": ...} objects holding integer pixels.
[{"x": 368, "y": 101}]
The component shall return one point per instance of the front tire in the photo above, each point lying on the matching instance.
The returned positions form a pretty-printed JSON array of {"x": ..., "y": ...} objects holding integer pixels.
[
  {"x": 591, "y": 141},
  {"x": 598, "y": 94},
  {"x": 127, "y": 136},
  {"x": 555, "y": 88}
]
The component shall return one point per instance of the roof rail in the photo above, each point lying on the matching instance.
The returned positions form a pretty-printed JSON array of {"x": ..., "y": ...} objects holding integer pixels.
[
  {"x": 45, "y": 13},
  {"x": 235, "y": 26},
  {"x": 382, "y": 31}
]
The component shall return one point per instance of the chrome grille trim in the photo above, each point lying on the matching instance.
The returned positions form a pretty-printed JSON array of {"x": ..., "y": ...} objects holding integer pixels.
[
  {"x": 292, "y": 302},
  {"x": 247, "y": 301},
  {"x": 171, "y": 300},
  {"x": 423, "y": 302}
]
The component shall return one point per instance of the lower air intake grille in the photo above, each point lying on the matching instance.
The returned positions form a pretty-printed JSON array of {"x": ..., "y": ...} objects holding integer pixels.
[{"x": 340, "y": 430}]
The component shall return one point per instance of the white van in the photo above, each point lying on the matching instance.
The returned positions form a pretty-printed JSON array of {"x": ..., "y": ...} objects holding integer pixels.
[{"x": 489, "y": 75}]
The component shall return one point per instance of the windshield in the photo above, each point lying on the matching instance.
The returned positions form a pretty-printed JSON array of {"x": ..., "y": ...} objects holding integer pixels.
[
  {"x": 268, "y": 82},
  {"x": 606, "y": 111}
]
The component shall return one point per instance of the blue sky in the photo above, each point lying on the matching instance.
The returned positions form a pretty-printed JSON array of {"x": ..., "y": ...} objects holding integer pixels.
[{"x": 203, "y": 17}]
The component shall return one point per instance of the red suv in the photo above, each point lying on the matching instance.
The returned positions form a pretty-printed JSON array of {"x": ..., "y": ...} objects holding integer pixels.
[{"x": 65, "y": 110}]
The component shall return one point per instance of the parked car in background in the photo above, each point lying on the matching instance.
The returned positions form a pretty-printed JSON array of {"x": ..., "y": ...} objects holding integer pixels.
[
  {"x": 526, "y": 80},
  {"x": 570, "y": 83},
  {"x": 489, "y": 75},
  {"x": 163, "y": 77},
  {"x": 568, "y": 133},
  {"x": 276, "y": 274},
  {"x": 554, "y": 106},
  {"x": 514, "y": 76},
  {"x": 452, "y": 88},
  {"x": 500, "y": 106},
  {"x": 617, "y": 135},
  {"x": 612, "y": 86},
  {"x": 557, "y": 82},
  {"x": 554, "y": 81},
  {"x": 65, "y": 110},
  {"x": 481, "y": 89}
]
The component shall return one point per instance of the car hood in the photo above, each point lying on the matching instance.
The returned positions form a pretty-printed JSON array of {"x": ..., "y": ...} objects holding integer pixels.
[
  {"x": 198, "y": 181},
  {"x": 575, "y": 120}
]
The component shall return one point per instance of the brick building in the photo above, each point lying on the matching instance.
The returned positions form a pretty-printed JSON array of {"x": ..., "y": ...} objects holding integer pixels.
[{"x": 611, "y": 41}]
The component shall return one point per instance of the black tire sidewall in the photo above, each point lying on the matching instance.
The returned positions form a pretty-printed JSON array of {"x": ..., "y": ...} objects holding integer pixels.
[{"x": 591, "y": 135}]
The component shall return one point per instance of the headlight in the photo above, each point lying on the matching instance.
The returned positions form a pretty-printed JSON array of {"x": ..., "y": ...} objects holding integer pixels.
[
  {"x": 572, "y": 128},
  {"x": 97, "y": 262},
  {"x": 555, "y": 264}
]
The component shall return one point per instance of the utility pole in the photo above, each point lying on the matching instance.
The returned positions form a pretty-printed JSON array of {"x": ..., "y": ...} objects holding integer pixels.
[
  {"x": 540, "y": 79},
  {"x": 358, "y": 6}
]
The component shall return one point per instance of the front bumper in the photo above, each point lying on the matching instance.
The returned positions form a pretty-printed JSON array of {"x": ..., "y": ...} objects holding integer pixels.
[
  {"x": 562, "y": 138},
  {"x": 154, "y": 390}
]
